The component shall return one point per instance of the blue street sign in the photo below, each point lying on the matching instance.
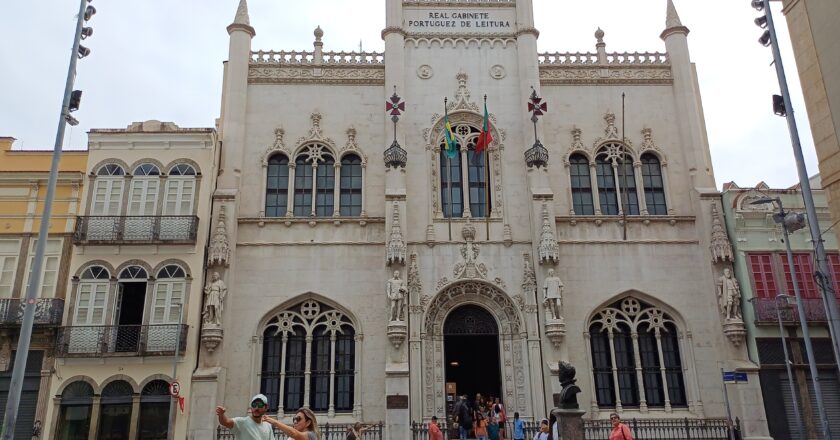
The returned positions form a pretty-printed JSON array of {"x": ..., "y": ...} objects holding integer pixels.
[{"x": 734, "y": 376}]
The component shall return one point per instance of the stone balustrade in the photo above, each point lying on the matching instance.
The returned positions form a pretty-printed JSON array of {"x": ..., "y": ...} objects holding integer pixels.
[
  {"x": 328, "y": 58},
  {"x": 617, "y": 58}
]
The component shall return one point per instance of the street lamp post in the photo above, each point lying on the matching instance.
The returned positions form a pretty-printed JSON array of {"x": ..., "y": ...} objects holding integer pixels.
[
  {"x": 783, "y": 299},
  {"x": 69, "y": 104},
  {"x": 787, "y": 220},
  {"x": 783, "y": 107}
]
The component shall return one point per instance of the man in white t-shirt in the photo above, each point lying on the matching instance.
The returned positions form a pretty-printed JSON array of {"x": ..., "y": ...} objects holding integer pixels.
[{"x": 251, "y": 427}]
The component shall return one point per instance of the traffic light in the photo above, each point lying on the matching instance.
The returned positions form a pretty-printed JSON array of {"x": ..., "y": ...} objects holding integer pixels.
[{"x": 75, "y": 100}]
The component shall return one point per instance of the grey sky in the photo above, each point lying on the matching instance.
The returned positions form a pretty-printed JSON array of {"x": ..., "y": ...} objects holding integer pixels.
[{"x": 163, "y": 60}]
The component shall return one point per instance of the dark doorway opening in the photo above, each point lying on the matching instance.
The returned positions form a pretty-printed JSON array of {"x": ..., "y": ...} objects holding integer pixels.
[
  {"x": 471, "y": 346},
  {"x": 131, "y": 303}
]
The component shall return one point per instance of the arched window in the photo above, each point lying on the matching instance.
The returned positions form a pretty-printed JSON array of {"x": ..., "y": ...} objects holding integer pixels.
[
  {"x": 178, "y": 201},
  {"x": 325, "y": 380},
  {"x": 581, "y": 185},
  {"x": 303, "y": 187},
  {"x": 325, "y": 186},
  {"x": 277, "y": 186},
  {"x": 351, "y": 185},
  {"x": 91, "y": 296},
  {"x": 142, "y": 202},
  {"x": 452, "y": 193},
  {"x": 636, "y": 357},
  {"x": 106, "y": 202},
  {"x": 653, "y": 184},
  {"x": 153, "y": 423},
  {"x": 167, "y": 302},
  {"x": 616, "y": 180},
  {"x": 115, "y": 411},
  {"x": 75, "y": 410}
]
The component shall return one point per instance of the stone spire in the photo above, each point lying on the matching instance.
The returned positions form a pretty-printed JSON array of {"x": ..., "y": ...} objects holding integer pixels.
[
  {"x": 672, "y": 19},
  {"x": 242, "y": 13},
  {"x": 673, "y": 24}
]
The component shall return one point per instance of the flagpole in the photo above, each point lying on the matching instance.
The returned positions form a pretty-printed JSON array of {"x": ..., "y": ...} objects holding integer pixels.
[
  {"x": 623, "y": 174},
  {"x": 486, "y": 154}
]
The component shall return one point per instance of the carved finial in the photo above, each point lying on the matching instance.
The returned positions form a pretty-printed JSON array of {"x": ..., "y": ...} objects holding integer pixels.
[
  {"x": 721, "y": 248},
  {"x": 278, "y": 137},
  {"x": 319, "y": 33},
  {"x": 396, "y": 245},
  {"x": 549, "y": 250},
  {"x": 610, "y": 132},
  {"x": 599, "y": 35},
  {"x": 219, "y": 252},
  {"x": 351, "y": 136}
]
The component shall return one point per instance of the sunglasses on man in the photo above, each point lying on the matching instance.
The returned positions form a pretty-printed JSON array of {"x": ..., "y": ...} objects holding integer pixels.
[{"x": 257, "y": 404}]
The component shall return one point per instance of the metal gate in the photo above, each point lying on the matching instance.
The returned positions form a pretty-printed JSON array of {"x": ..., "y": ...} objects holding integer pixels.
[{"x": 24, "y": 428}]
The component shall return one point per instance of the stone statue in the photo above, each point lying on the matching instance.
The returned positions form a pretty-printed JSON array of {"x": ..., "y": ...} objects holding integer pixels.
[
  {"x": 214, "y": 300},
  {"x": 396, "y": 290},
  {"x": 553, "y": 294},
  {"x": 569, "y": 391},
  {"x": 729, "y": 295}
]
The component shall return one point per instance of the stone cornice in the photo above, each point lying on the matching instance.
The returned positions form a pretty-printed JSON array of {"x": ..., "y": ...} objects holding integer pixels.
[
  {"x": 393, "y": 30},
  {"x": 460, "y": 3},
  {"x": 528, "y": 31},
  {"x": 605, "y": 74},
  {"x": 674, "y": 30}
]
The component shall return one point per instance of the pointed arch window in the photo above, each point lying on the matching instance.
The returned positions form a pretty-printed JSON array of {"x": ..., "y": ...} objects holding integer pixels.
[
  {"x": 351, "y": 185},
  {"x": 303, "y": 187},
  {"x": 309, "y": 358},
  {"x": 465, "y": 177},
  {"x": 277, "y": 186},
  {"x": 616, "y": 179},
  {"x": 581, "y": 185},
  {"x": 654, "y": 185},
  {"x": 607, "y": 193},
  {"x": 636, "y": 358},
  {"x": 477, "y": 175}
]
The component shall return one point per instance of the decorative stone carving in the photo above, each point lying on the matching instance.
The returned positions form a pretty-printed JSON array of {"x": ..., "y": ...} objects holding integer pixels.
[
  {"x": 214, "y": 300},
  {"x": 470, "y": 268},
  {"x": 549, "y": 250},
  {"x": 721, "y": 247},
  {"x": 278, "y": 147},
  {"x": 415, "y": 285},
  {"x": 397, "y": 249},
  {"x": 553, "y": 295},
  {"x": 219, "y": 252},
  {"x": 352, "y": 147},
  {"x": 425, "y": 71},
  {"x": 351, "y": 74},
  {"x": 315, "y": 135},
  {"x": 397, "y": 331},
  {"x": 497, "y": 72},
  {"x": 396, "y": 290}
]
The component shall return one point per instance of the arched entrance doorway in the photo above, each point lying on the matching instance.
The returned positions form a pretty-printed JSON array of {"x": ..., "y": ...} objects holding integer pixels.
[{"x": 471, "y": 345}]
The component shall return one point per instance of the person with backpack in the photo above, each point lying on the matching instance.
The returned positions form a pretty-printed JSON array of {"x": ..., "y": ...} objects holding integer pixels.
[
  {"x": 543, "y": 433},
  {"x": 465, "y": 419}
]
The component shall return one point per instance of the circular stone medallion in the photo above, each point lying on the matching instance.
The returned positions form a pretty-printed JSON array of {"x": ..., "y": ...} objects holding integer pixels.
[{"x": 425, "y": 71}]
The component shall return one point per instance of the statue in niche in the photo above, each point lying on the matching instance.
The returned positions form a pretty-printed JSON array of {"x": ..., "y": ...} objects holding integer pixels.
[
  {"x": 396, "y": 290},
  {"x": 214, "y": 299},
  {"x": 729, "y": 296},
  {"x": 553, "y": 294}
]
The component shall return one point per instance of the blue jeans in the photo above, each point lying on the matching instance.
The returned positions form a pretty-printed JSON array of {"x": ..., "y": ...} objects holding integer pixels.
[
  {"x": 482, "y": 437},
  {"x": 464, "y": 431}
]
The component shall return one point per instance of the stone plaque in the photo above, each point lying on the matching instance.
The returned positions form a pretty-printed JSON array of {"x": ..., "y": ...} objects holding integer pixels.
[
  {"x": 461, "y": 20},
  {"x": 396, "y": 402}
]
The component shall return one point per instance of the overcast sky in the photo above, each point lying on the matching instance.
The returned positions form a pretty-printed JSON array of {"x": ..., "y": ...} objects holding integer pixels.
[{"x": 163, "y": 60}]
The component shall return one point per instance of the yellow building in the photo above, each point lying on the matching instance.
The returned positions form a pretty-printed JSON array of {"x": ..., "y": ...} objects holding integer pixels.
[
  {"x": 23, "y": 187},
  {"x": 816, "y": 47}
]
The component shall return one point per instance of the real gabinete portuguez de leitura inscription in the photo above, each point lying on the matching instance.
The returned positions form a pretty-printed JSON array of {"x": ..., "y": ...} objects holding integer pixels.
[{"x": 459, "y": 20}]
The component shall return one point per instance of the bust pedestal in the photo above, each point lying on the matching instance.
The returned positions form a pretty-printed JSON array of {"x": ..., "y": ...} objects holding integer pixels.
[{"x": 570, "y": 423}]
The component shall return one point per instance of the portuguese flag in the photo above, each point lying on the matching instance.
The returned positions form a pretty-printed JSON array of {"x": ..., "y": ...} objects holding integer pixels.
[{"x": 485, "y": 138}]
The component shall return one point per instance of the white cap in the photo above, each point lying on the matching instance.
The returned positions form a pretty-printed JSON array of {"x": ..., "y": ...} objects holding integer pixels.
[{"x": 260, "y": 397}]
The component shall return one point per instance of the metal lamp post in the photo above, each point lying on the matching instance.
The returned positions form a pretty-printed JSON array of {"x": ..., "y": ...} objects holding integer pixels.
[
  {"x": 782, "y": 300},
  {"x": 795, "y": 221},
  {"x": 69, "y": 104},
  {"x": 783, "y": 107}
]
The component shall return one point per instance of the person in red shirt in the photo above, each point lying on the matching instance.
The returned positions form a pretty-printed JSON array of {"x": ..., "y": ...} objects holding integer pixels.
[
  {"x": 620, "y": 431},
  {"x": 434, "y": 430}
]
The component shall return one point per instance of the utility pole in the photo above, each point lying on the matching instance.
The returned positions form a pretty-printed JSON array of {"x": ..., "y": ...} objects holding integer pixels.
[{"x": 69, "y": 104}]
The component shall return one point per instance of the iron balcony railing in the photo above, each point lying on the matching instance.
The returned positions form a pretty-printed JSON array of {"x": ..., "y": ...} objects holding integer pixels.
[
  {"x": 329, "y": 431},
  {"x": 104, "y": 229},
  {"x": 121, "y": 340},
  {"x": 765, "y": 311},
  {"x": 642, "y": 429},
  {"x": 48, "y": 311}
]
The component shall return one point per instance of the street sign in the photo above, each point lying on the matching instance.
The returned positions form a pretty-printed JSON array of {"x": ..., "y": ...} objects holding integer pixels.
[
  {"x": 734, "y": 377},
  {"x": 175, "y": 389}
]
